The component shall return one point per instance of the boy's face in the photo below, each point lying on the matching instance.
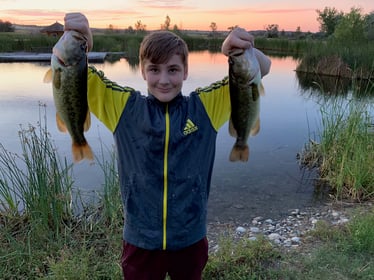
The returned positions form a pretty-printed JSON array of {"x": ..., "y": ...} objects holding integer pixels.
[{"x": 165, "y": 80}]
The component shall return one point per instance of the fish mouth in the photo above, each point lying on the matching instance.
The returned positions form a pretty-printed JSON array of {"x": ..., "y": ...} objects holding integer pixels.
[{"x": 57, "y": 54}]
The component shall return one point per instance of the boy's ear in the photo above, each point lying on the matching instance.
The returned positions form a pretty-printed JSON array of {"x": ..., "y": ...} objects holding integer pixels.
[
  {"x": 185, "y": 72},
  {"x": 143, "y": 72}
]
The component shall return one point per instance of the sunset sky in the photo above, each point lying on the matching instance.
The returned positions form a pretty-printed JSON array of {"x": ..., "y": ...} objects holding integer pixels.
[{"x": 186, "y": 14}]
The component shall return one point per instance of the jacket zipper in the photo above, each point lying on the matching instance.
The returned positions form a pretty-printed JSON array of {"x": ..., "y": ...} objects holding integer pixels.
[{"x": 165, "y": 198}]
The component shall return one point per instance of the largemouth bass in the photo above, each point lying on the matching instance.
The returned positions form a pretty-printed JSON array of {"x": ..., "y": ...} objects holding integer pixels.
[
  {"x": 245, "y": 90},
  {"x": 68, "y": 75}
]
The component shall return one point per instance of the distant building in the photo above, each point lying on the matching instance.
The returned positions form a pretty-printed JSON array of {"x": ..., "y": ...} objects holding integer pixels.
[{"x": 55, "y": 30}]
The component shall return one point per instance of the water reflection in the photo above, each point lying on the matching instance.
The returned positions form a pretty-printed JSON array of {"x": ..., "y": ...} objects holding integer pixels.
[
  {"x": 331, "y": 85},
  {"x": 271, "y": 182}
]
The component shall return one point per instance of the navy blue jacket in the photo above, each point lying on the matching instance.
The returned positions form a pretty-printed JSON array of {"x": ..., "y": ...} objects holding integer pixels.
[{"x": 165, "y": 158}]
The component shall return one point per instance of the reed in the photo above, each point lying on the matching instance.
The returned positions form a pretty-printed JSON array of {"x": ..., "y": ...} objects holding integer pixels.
[
  {"x": 344, "y": 154},
  {"x": 17, "y": 42},
  {"x": 36, "y": 184},
  {"x": 350, "y": 60}
]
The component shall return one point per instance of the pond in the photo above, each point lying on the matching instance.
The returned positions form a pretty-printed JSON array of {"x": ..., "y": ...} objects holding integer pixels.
[{"x": 269, "y": 184}]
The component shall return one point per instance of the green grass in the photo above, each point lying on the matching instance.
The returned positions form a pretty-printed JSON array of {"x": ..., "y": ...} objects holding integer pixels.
[
  {"x": 345, "y": 151},
  {"x": 40, "y": 234},
  {"x": 42, "y": 237},
  {"x": 12, "y": 42},
  {"x": 243, "y": 259},
  {"x": 346, "y": 252}
]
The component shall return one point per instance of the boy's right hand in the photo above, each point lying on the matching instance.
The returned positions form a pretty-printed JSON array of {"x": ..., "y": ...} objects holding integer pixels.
[
  {"x": 79, "y": 22},
  {"x": 238, "y": 38}
]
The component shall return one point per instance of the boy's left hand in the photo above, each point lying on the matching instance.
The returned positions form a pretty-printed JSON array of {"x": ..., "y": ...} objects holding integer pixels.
[
  {"x": 238, "y": 38},
  {"x": 79, "y": 23}
]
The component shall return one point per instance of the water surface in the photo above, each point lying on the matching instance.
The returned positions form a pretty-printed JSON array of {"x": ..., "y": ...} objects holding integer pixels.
[{"x": 269, "y": 184}]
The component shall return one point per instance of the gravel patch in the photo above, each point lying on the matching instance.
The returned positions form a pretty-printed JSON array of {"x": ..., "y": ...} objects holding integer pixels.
[{"x": 288, "y": 232}]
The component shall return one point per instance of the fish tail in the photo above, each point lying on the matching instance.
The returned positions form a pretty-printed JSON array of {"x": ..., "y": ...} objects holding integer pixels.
[
  {"x": 82, "y": 151},
  {"x": 256, "y": 128},
  {"x": 232, "y": 130},
  {"x": 239, "y": 153}
]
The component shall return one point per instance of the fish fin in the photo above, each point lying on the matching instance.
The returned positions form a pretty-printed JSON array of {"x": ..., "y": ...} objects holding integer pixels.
[
  {"x": 261, "y": 89},
  {"x": 232, "y": 130},
  {"x": 60, "y": 124},
  {"x": 256, "y": 128},
  {"x": 57, "y": 79},
  {"x": 87, "y": 122},
  {"x": 239, "y": 153},
  {"x": 81, "y": 152},
  {"x": 48, "y": 76}
]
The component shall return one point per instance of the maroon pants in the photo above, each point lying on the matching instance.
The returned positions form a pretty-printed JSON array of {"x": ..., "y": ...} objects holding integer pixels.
[{"x": 184, "y": 264}]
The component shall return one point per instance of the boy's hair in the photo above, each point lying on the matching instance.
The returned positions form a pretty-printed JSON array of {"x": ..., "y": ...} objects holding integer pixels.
[{"x": 160, "y": 46}]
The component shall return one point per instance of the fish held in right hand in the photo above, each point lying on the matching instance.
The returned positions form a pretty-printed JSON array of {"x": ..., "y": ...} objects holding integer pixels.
[
  {"x": 245, "y": 90},
  {"x": 68, "y": 75}
]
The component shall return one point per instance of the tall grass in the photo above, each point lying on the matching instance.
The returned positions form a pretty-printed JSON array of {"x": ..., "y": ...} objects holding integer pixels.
[
  {"x": 12, "y": 42},
  {"x": 354, "y": 57},
  {"x": 36, "y": 184},
  {"x": 345, "y": 152},
  {"x": 40, "y": 234}
]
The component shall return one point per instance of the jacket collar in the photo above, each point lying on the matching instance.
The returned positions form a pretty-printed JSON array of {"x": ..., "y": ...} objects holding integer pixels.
[{"x": 172, "y": 104}]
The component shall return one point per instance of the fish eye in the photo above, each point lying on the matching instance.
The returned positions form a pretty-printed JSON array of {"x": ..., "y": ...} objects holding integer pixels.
[{"x": 83, "y": 46}]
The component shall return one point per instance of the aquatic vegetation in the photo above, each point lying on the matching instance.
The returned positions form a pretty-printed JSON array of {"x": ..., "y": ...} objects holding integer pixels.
[
  {"x": 36, "y": 184},
  {"x": 344, "y": 153}
]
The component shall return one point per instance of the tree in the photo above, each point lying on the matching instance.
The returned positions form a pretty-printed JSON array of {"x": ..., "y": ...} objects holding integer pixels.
[
  {"x": 213, "y": 26},
  {"x": 351, "y": 27},
  {"x": 166, "y": 24},
  {"x": 328, "y": 19},
  {"x": 272, "y": 30},
  {"x": 139, "y": 26},
  {"x": 6, "y": 26},
  {"x": 298, "y": 32},
  {"x": 130, "y": 29}
]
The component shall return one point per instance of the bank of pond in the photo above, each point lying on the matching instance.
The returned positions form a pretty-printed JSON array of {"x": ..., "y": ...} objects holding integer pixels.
[{"x": 316, "y": 56}]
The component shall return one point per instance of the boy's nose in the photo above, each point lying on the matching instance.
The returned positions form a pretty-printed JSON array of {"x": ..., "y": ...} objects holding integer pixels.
[{"x": 164, "y": 78}]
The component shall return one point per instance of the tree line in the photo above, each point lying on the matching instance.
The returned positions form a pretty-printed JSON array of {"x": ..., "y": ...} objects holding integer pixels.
[
  {"x": 353, "y": 25},
  {"x": 6, "y": 26},
  {"x": 341, "y": 26}
]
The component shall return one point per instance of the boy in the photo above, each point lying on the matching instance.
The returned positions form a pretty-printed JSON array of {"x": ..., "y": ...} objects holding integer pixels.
[{"x": 166, "y": 144}]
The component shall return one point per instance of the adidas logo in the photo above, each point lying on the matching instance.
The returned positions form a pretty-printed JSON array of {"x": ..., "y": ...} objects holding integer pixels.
[{"x": 189, "y": 128}]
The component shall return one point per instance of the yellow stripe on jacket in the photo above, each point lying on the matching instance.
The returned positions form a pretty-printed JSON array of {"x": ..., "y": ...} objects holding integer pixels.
[{"x": 106, "y": 99}]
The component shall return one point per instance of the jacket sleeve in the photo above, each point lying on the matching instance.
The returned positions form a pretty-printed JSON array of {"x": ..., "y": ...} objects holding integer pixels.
[
  {"x": 106, "y": 99},
  {"x": 216, "y": 100}
]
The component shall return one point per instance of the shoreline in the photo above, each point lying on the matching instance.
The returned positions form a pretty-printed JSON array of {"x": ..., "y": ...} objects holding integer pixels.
[
  {"x": 46, "y": 57},
  {"x": 290, "y": 232}
]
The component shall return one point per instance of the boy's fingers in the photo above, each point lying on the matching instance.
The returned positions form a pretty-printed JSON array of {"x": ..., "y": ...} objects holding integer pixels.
[
  {"x": 79, "y": 22},
  {"x": 238, "y": 38}
]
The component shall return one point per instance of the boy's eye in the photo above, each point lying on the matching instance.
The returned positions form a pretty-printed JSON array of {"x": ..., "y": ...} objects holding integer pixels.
[
  {"x": 173, "y": 70},
  {"x": 153, "y": 69}
]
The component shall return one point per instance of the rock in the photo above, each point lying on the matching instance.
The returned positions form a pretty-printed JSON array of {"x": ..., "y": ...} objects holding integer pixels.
[
  {"x": 274, "y": 236},
  {"x": 287, "y": 232},
  {"x": 295, "y": 240},
  {"x": 295, "y": 212},
  {"x": 254, "y": 230},
  {"x": 240, "y": 230},
  {"x": 268, "y": 221}
]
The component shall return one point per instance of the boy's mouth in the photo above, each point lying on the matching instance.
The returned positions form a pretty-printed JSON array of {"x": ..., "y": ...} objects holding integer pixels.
[{"x": 164, "y": 90}]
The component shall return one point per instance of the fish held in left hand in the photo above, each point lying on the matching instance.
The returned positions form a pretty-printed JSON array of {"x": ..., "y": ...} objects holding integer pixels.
[
  {"x": 245, "y": 90},
  {"x": 68, "y": 75}
]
